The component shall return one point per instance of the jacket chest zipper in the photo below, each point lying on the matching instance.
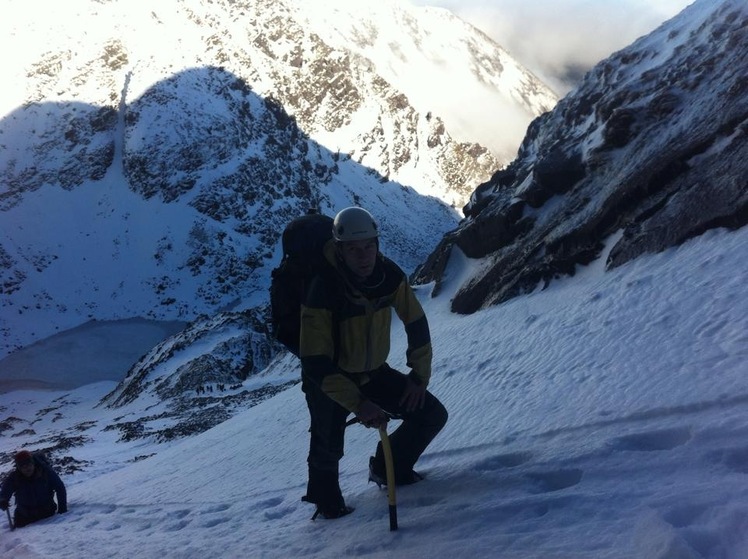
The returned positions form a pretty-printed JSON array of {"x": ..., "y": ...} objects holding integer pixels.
[{"x": 369, "y": 342}]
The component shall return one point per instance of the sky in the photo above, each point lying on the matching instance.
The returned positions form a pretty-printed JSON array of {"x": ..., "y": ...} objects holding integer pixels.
[
  {"x": 558, "y": 39},
  {"x": 603, "y": 417}
]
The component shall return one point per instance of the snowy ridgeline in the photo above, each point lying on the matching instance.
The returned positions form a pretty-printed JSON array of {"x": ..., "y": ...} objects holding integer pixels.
[{"x": 605, "y": 417}]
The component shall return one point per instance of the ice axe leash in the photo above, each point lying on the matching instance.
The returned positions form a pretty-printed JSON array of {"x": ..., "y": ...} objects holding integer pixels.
[
  {"x": 10, "y": 520},
  {"x": 390, "y": 468}
]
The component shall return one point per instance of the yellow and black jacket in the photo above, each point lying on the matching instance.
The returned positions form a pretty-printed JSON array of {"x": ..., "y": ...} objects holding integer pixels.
[{"x": 341, "y": 361}]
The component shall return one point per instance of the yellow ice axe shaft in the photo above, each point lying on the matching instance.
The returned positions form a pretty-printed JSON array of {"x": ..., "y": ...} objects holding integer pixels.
[{"x": 390, "y": 468}]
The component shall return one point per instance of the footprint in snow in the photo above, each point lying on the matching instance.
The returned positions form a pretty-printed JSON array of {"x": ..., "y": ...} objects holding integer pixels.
[
  {"x": 547, "y": 482},
  {"x": 180, "y": 513},
  {"x": 177, "y": 526},
  {"x": 273, "y": 510},
  {"x": 684, "y": 515},
  {"x": 213, "y": 522},
  {"x": 653, "y": 441},
  {"x": 278, "y": 513},
  {"x": 273, "y": 502},
  {"x": 735, "y": 459}
]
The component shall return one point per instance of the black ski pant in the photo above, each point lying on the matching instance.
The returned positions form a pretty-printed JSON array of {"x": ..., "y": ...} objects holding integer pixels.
[{"x": 385, "y": 388}]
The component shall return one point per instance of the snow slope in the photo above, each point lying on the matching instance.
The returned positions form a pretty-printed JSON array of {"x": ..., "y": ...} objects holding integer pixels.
[{"x": 604, "y": 417}]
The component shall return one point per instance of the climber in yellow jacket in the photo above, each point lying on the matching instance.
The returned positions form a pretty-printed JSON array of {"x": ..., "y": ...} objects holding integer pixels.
[{"x": 344, "y": 346}]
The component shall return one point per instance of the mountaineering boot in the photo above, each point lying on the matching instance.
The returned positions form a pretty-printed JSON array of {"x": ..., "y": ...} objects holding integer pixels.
[
  {"x": 329, "y": 505},
  {"x": 323, "y": 490},
  {"x": 378, "y": 475},
  {"x": 332, "y": 513},
  {"x": 330, "y": 509},
  {"x": 408, "y": 478}
]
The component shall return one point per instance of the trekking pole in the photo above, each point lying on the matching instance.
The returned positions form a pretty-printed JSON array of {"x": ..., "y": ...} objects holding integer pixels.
[
  {"x": 389, "y": 466},
  {"x": 10, "y": 520}
]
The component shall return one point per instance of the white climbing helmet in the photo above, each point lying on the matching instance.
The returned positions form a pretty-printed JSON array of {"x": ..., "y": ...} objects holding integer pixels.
[{"x": 354, "y": 224}]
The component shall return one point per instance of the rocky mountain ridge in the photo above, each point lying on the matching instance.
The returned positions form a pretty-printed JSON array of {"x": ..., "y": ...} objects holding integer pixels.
[{"x": 648, "y": 152}]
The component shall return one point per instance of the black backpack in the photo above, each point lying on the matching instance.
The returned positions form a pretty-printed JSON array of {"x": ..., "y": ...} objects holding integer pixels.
[
  {"x": 303, "y": 242},
  {"x": 41, "y": 456}
]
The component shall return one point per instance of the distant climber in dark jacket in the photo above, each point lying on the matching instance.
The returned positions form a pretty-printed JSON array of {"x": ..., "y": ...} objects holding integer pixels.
[{"x": 33, "y": 482}]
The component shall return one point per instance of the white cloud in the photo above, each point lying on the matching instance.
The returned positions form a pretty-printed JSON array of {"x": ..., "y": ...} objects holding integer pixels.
[{"x": 559, "y": 39}]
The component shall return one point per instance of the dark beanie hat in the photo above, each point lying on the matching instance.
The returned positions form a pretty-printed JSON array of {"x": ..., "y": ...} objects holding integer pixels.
[{"x": 23, "y": 457}]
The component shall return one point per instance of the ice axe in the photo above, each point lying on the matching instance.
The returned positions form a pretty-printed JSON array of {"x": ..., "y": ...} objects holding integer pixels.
[
  {"x": 10, "y": 520},
  {"x": 389, "y": 468}
]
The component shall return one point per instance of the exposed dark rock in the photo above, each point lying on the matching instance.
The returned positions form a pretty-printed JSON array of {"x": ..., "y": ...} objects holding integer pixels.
[
  {"x": 657, "y": 151},
  {"x": 9, "y": 423}
]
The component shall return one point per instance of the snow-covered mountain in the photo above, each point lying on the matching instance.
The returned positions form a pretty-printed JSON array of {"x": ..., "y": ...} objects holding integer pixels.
[
  {"x": 650, "y": 150},
  {"x": 603, "y": 418},
  {"x": 574, "y": 158},
  {"x": 151, "y": 154},
  {"x": 443, "y": 65}
]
